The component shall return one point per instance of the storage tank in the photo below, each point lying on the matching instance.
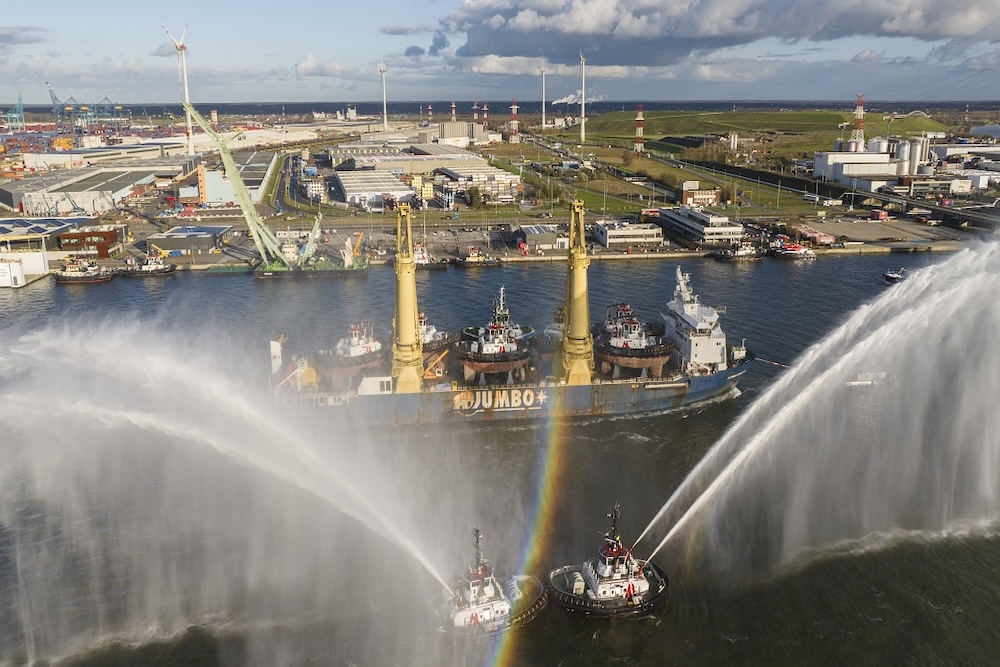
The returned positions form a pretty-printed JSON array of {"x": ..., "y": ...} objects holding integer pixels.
[
  {"x": 852, "y": 147},
  {"x": 925, "y": 170},
  {"x": 878, "y": 145},
  {"x": 903, "y": 154},
  {"x": 915, "y": 155},
  {"x": 838, "y": 145}
]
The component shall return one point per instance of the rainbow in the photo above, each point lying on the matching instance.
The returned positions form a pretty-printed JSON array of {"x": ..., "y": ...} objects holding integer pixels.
[{"x": 538, "y": 531}]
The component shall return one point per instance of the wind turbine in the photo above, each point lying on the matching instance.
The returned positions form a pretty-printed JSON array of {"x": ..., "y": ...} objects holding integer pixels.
[
  {"x": 385, "y": 114},
  {"x": 182, "y": 64},
  {"x": 543, "y": 97},
  {"x": 583, "y": 99}
]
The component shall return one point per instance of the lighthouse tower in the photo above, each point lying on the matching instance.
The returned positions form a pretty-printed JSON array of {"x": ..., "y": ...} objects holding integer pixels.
[
  {"x": 486, "y": 114},
  {"x": 857, "y": 142},
  {"x": 453, "y": 117},
  {"x": 475, "y": 111},
  {"x": 515, "y": 136},
  {"x": 640, "y": 140}
]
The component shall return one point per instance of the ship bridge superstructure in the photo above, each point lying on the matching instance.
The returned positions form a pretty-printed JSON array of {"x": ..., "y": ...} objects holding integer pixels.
[{"x": 694, "y": 329}]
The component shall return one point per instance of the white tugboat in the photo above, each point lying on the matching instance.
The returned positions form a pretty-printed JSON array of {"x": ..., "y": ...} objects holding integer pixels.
[
  {"x": 614, "y": 583},
  {"x": 480, "y": 606},
  {"x": 423, "y": 259},
  {"x": 698, "y": 339}
]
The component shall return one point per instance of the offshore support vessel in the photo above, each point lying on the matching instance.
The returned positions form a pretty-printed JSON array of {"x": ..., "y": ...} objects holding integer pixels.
[{"x": 404, "y": 393}]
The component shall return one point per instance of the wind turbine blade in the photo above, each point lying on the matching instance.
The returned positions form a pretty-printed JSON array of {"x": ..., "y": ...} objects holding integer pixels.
[
  {"x": 184, "y": 33},
  {"x": 176, "y": 43}
]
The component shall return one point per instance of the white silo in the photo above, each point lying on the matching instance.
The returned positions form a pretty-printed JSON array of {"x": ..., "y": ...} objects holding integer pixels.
[
  {"x": 915, "y": 154},
  {"x": 903, "y": 151},
  {"x": 878, "y": 145}
]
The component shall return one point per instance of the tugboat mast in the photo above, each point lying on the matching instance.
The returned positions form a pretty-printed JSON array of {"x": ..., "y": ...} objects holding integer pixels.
[
  {"x": 477, "y": 566},
  {"x": 407, "y": 350}
]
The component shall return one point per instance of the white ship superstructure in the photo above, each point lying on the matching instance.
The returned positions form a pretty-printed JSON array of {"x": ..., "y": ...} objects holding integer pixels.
[{"x": 694, "y": 328}]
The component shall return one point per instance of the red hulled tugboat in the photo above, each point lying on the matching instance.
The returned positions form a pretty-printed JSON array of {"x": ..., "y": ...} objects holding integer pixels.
[
  {"x": 623, "y": 346},
  {"x": 614, "y": 583},
  {"x": 479, "y": 606},
  {"x": 499, "y": 347}
]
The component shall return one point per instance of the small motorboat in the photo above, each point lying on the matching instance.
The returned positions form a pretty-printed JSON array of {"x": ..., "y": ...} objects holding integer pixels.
[{"x": 892, "y": 277}]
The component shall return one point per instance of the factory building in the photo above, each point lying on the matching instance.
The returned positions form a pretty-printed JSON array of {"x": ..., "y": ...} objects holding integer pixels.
[
  {"x": 134, "y": 155},
  {"x": 215, "y": 188},
  {"x": 539, "y": 238},
  {"x": 610, "y": 233},
  {"x": 691, "y": 192},
  {"x": 346, "y": 152},
  {"x": 90, "y": 190},
  {"x": 101, "y": 241},
  {"x": 496, "y": 185},
  {"x": 701, "y": 226},
  {"x": 366, "y": 189},
  {"x": 26, "y": 246},
  {"x": 192, "y": 240},
  {"x": 408, "y": 163}
]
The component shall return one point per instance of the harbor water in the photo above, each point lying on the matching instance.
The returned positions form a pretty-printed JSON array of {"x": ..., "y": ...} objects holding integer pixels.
[{"x": 157, "y": 508}]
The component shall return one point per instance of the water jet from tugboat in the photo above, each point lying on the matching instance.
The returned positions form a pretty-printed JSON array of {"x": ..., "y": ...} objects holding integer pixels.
[
  {"x": 889, "y": 423},
  {"x": 144, "y": 491}
]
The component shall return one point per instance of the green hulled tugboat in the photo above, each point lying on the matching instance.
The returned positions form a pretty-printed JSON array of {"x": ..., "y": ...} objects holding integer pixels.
[
  {"x": 612, "y": 584},
  {"x": 479, "y": 606}
]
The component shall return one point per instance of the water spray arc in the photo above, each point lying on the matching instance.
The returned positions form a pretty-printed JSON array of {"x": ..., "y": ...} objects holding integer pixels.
[{"x": 883, "y": 426}]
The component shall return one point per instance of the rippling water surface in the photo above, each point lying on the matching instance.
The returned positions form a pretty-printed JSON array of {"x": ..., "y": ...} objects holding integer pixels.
[{"x": 156, "y": 509}]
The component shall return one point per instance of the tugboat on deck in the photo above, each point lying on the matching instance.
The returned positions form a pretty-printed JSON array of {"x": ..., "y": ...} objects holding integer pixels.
[
  {"x": 617, "y": 313},
  {"x": 499, "y": 347},
  {"x": 480, "y": 607},
  {"x": 80, "y": 271},
  {"x": 614, "y": 583},
  {"x": 354, "y": 355},
  {"x": 552, "y": 336},
  {"x": 628, "y": 349}
]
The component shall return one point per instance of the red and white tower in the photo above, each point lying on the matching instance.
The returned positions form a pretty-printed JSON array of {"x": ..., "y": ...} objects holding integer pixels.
[
  {"x": 640, "y": 139},
  {"x": 515, "y": 132},
  {"x": 475, "y": 111},
  {"x": 857, "y": 142}
]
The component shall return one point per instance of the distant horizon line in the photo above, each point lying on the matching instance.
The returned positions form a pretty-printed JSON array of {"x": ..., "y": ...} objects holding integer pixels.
[{"x": 447, "y": 102}]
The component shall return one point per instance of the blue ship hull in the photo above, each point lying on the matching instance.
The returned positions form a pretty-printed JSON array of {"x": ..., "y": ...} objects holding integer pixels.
[{"x": 446, "y": 403}]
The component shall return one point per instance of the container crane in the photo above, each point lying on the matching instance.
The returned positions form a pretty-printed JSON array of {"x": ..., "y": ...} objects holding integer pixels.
[{"x": 267, "y": 243}]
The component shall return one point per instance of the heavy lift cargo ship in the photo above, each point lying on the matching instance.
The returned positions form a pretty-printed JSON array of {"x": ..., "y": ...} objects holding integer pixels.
[{"x": 406, "y": 393}]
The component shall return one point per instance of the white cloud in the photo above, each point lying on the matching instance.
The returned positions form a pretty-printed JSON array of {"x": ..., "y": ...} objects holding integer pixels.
[{"x": 313, "y": 66}]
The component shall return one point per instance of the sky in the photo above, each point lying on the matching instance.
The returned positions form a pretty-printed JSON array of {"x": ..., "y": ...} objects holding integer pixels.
[{"x": 683, "y": 50}]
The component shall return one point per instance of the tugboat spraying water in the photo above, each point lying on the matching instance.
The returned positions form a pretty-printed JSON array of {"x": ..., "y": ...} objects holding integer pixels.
[
  {"x": 614, "y": 583},
  {"x": 479, "y": 606}
]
